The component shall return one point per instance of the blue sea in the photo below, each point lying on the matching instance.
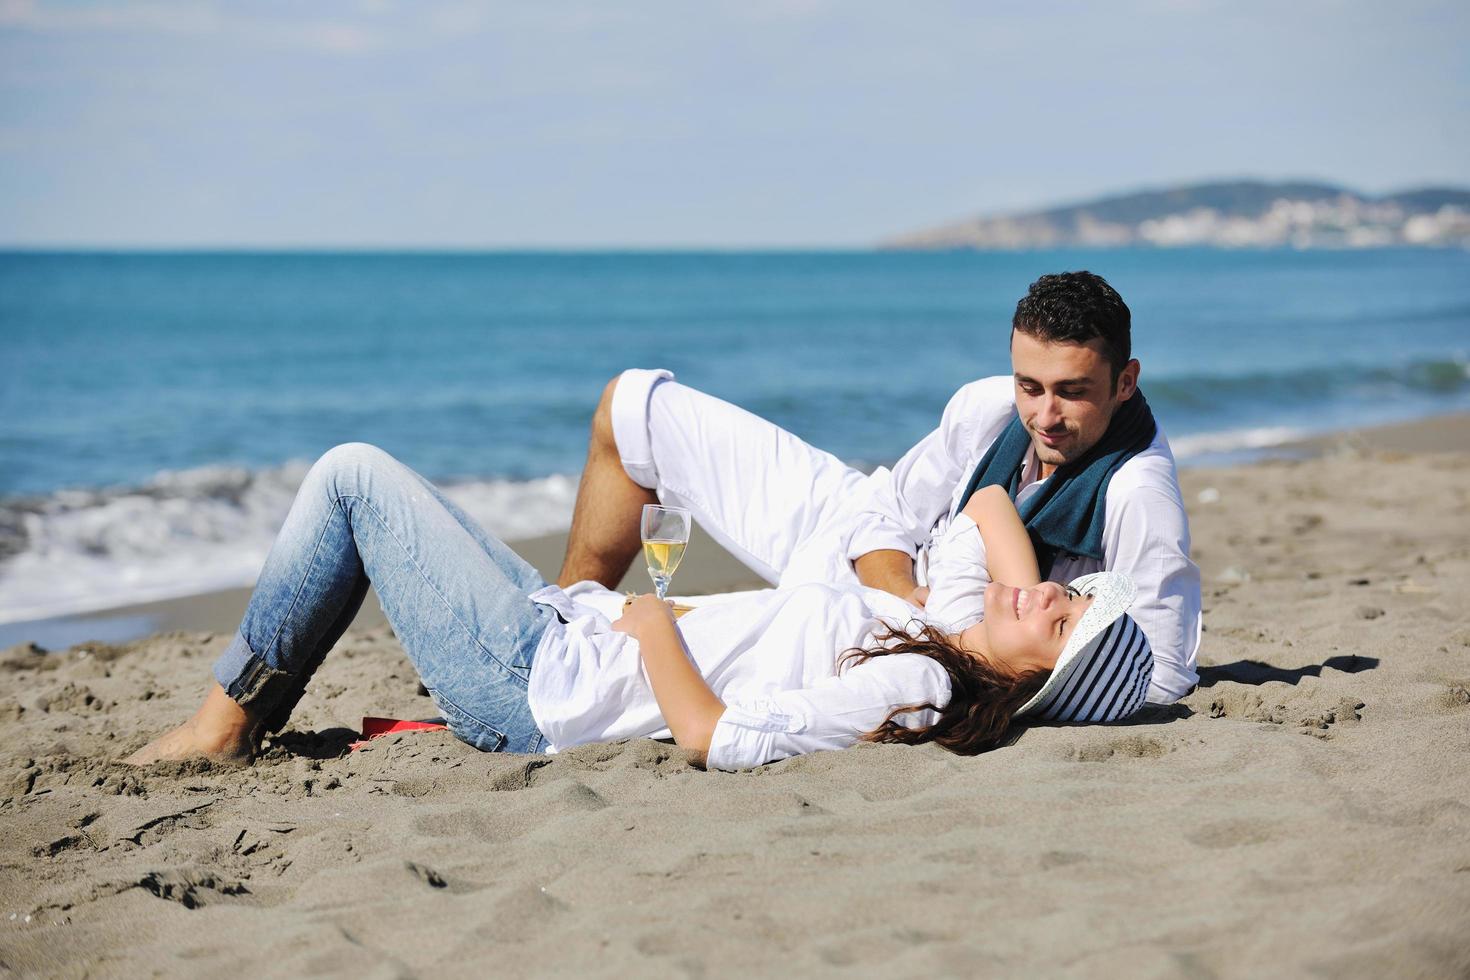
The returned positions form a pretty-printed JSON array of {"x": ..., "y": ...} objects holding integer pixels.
[{"x": 158, "y": 410}]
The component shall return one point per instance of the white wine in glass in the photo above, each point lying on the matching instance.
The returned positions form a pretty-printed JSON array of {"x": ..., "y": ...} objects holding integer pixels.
[{"x": 665, "y": 536}]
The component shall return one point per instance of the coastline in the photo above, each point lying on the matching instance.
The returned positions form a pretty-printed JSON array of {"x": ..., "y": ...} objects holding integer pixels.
[
  {"x": 1434, "y": 434},
  {"x": 706, "y": 568}
]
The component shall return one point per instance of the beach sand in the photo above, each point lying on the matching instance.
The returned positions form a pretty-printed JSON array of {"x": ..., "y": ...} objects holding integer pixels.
[{"x": 1307, "y": 809}]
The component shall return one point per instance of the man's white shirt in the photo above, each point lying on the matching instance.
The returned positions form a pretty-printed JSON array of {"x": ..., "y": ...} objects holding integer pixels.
[{"x": 1145, "y": 530}]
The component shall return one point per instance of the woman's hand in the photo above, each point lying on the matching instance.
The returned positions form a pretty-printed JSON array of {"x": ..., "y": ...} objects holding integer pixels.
[
  {"x": 642, "y": 612},
  {"x": 688, "y": 705}
]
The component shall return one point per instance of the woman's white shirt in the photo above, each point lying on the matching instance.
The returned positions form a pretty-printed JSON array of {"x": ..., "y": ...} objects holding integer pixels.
[
  {"x": 957, "y": 577},
  {"x": 770, "y": 656},
  {"x": 954, "y": 566}
]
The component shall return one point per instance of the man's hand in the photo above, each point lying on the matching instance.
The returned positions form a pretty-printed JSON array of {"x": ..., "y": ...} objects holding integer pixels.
[
  {"x": 643, "y": 611},
  {"x": 891, "y": 571}
]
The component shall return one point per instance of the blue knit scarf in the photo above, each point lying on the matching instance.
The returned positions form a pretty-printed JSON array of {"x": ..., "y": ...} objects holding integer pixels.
[{"x": 1065, "y": 517}]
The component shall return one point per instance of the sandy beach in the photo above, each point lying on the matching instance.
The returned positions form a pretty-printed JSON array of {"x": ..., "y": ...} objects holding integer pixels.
[{"x": 1304, "y": 811}]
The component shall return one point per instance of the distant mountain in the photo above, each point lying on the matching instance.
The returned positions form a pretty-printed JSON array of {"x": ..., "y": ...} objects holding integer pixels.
[{"x": 1235, "y": 214}]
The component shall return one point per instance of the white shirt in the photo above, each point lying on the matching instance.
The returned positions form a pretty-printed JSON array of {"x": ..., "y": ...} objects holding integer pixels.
[
  {"x": 1145, "y": 530},
  {"x": 770, "y": 656},
  {"x": 956, "y": 574}
]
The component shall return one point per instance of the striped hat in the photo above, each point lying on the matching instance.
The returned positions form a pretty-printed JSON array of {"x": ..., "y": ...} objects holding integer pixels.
[{"x": 1104, "y": 670}]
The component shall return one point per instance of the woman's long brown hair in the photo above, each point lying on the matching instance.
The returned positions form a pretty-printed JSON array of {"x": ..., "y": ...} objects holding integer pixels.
[{"x": 982, "y": 701}]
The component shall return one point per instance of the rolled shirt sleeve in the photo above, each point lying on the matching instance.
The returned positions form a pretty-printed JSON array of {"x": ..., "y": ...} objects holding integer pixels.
[{"x": 831, "y": 714}]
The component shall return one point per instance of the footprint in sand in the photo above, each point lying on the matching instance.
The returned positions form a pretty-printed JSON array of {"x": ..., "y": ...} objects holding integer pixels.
[
  {"x": 522, "y": 775},
  {"x": 61, "y": 845},
  {"x": 438, "y": 882},
  {"x": 469, "y": 824},
  {"x": 156, "y": 829},
  {"x": 1124, "y": 747},
  {"x": 413, "y": 786},
  {"x": 579, "y": 797},
  {"x": 1454, "y": 697},
  {"x": 426, "y": 874},
  {"x": 1061, "y": 859},
  {"x": 193, "y": 888},
  {"x": 1301, "y": 711},
  {"x": 73, "y": 699},
  {"x": 1230, "y": 833}
]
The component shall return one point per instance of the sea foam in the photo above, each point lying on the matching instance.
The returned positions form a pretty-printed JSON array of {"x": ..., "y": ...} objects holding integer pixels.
[
  {"x": 195, "y": 531},
  {"x": 1232, "y": 443}
]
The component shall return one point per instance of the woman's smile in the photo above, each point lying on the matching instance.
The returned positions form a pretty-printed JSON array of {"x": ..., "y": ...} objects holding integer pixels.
[{"x": 1022, "y": 600}]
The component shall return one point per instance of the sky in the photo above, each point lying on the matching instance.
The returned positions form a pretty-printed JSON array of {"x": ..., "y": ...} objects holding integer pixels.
[{"x": 755, "y": 123}]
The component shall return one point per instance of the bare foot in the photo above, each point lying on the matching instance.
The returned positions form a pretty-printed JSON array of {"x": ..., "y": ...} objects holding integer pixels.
[
  {"x": 220, "y": 730},
  {"x": 188, "y": 742}
]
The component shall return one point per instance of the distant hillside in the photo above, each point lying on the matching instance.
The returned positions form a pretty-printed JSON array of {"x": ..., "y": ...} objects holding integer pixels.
[{"x": 1235, "y": 214}]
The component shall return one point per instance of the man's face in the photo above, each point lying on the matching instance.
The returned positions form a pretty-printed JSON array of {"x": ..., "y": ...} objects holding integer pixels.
[{"x": 1065, "y": 395}]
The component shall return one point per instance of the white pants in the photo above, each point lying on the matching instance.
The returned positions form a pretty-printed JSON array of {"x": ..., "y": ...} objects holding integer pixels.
[{"x": 781, "y": 506}]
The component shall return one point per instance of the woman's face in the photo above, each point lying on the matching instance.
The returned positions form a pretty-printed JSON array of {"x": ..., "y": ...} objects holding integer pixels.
[{"x": 1026, "y": 629}]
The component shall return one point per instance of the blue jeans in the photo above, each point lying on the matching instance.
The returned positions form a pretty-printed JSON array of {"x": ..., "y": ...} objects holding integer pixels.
[{"x": 456, "y": 596}]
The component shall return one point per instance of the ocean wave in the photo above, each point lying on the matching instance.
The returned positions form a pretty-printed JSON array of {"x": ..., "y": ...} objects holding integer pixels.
[
  {"x": 1232, "y": 442},
  {"x": 197, "y": 530},
  {"x": 1428, "y": 378}
]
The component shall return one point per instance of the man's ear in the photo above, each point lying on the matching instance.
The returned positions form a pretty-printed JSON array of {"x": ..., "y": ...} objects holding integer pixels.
[{"x": 1128, "y": 381}]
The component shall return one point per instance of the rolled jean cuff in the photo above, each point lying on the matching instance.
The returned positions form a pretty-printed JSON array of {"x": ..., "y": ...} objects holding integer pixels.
[
  {"x": 630, "y": 423},
  {"x": 255, "y": 685}
]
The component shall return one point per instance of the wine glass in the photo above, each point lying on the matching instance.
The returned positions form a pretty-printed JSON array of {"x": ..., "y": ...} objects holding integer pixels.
[{"x": 665, "y": 532}]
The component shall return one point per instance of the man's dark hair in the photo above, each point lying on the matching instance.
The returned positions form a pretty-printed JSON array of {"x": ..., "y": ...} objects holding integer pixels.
[{"x": 1074, "y": 308}]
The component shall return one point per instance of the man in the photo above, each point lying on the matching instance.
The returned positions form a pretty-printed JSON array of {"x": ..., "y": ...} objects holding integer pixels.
[{"x": 1069, "y": 434}]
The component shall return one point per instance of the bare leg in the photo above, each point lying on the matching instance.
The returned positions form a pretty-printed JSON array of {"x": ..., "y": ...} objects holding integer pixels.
[
  {"x": 604, "y": 538},
  {"x": 220, "y": 730}
]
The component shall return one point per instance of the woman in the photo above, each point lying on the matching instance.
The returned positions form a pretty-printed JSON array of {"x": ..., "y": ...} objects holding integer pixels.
[{"x": 517, "y": 665}]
